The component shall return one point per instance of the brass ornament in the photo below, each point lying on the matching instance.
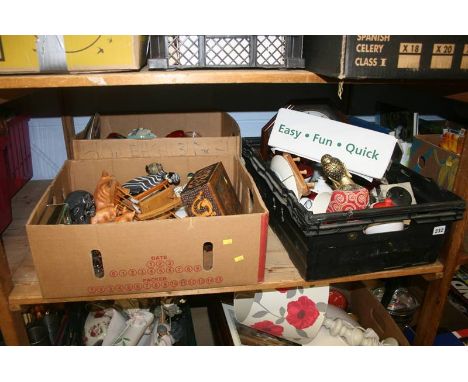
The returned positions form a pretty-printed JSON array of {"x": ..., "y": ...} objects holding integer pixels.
[{"x": 336, "y": 171}]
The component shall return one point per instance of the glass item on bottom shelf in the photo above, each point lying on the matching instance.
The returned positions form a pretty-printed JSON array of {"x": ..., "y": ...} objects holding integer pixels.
[
  {"x": 402, "y": 306},
  {"x": 38, "y": 335}
]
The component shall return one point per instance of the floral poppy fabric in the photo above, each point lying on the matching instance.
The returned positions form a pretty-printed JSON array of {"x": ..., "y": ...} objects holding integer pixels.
[
  {"x": 302, "y": 313},
  {"x": 269, "y": 327}
]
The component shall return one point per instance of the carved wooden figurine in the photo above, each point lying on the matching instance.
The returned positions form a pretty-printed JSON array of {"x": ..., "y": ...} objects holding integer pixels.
[
  {"x": 303, "y": 187},
  {"x": 125, "y": 216},
  {"x": 104, "y": 215},
  {"x": 105, "y": 190}
]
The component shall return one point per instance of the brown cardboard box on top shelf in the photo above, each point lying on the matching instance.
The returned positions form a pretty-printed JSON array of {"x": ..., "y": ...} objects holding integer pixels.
[{"x": 71, "y": 53}]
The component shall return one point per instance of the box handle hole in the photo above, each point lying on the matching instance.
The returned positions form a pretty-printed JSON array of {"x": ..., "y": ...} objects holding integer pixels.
[
  {"x": 421, "y": 162},
  {"x": 251, "y": 201},
  {"x": 207, "y": 256},
  {"x": 98, "y": 266}
]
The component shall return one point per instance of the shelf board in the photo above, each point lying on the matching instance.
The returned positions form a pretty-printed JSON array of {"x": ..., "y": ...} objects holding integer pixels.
[
  {"x": 169, "y": 77},
  {"x": 195, "y": 77},
  {"x": 279, "y": 269},
  {"x": 30, "y": 293}
]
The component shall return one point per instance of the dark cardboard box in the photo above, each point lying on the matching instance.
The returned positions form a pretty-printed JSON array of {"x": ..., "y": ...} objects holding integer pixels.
[{"x": 386, "y": 56}]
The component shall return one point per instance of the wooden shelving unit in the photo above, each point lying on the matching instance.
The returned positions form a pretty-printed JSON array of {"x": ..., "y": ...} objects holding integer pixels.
[
  {"x": 146, "y": 77},
  {"x": 279, "y": 270},
  {"x": 18, "y": 282}
]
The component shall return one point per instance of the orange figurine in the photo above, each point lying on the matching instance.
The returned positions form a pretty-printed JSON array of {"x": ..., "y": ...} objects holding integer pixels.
[
  {"x": 104, "y": 193},
  {"x": 126, "y": 216},
  {"x": 104, "y": 215}
]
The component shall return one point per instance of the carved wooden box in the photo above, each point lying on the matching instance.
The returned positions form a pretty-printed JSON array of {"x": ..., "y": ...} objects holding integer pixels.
[{"x": 210, "y": 193}]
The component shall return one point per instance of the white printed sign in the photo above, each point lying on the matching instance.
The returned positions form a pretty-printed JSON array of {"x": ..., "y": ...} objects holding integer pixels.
[{"x": 362, "y": 151}]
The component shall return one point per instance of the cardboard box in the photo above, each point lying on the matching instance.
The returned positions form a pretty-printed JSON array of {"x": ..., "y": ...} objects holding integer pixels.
[
  {"x": 219, "y": 132},
  {"x": 155, "y": 255},
  {"x": 369, "y": 311},
  {"x": 58, "y": 54},
  {"x": 386, "y": 56},
  {"x": 432, "y": 161},
  {"x": 372, "y": 314}
]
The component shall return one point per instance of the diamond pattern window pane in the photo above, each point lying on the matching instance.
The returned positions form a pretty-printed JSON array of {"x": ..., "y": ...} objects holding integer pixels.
[
  {"x": 183, "y": 50},
  {"x": 227, "y": 51},
  {"x": 271, "y": 50}
]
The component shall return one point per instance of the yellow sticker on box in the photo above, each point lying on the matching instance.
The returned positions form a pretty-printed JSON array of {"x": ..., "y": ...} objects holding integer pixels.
[
  {"x": 238, "y": 258},
  {"x": 227, "y": 241}
]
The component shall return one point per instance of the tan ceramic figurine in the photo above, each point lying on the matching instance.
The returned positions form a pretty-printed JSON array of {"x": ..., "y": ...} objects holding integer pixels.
[
  {"x": 105, "y": 190},
  {"x": 336, "y": 171},
  {"x": 125, "y": 216},
  {"x": 107, "y": 210},
  {"x": 104, "y": 215}
]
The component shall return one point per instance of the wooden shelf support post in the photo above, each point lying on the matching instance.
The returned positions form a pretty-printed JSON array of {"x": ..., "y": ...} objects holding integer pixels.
[
  {"x": 68, "y": 134},
  {"x": 436, "y": 293},
  {"x": 11, "y": 323}
]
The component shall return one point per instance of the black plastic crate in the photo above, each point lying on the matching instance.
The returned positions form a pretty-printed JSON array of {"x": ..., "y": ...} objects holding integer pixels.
[
  {"x": 191, "y": 52},
  {"x": 334, "y": 244}
]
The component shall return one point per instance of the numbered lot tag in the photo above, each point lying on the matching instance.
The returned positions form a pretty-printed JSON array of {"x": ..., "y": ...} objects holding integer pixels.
[{"x": 439, "y": 230}]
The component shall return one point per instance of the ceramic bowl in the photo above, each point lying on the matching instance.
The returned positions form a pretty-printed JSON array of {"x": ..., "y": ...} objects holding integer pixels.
[
  {"x": 280, "y": 166},
  {"x": 321, "y": 202}
]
